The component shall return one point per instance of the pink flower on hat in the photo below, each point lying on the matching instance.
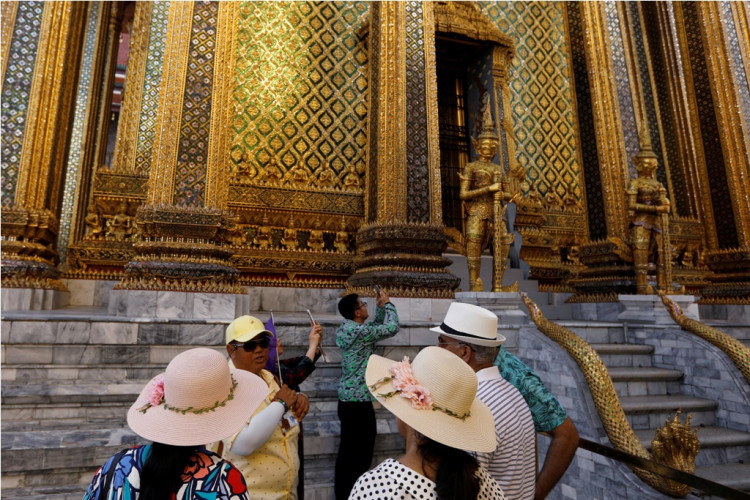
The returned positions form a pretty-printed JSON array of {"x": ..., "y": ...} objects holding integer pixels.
[
  {"x": 419, "y": 396},
  {"x": 408, "y": 387},
  {"x": 155, "y": 390},
  {"x": 402, "y": 375}
]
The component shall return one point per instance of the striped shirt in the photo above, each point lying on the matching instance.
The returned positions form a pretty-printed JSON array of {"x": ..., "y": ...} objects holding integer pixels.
[{"x": 512, "y": 464}]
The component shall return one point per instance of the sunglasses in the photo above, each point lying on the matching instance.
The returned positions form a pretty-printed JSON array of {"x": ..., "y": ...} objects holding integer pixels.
[
  {"x": 251, "y": 345},
  {"x": 441, "y": 341}
]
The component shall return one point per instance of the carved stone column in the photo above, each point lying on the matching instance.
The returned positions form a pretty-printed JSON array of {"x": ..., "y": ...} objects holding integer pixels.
[
  {"x": 183, "y": 226},
  {"x": 401, "y": 243},
  {"x": 40, "y": 56}
]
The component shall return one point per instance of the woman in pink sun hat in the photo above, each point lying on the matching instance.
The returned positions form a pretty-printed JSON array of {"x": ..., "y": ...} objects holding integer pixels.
[{"x": 198, "y": 400}]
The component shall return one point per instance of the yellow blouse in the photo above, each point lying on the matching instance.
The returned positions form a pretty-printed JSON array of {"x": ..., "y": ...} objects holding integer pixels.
[{"x": 271, "y": 471}]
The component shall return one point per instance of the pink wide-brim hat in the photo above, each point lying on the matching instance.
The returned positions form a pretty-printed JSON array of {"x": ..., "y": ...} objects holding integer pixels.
[{"x": 204, "y": 400}]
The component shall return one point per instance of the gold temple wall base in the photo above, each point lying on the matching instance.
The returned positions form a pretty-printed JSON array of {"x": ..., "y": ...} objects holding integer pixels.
[
  {"x": 28, "y": 258},
  {"x": 730, "y": 281},
  {"x": 405, "y": 259},
  {"x": 182, "y": 249}
]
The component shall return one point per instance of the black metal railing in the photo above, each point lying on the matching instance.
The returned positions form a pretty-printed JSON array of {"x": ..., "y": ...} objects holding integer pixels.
[{"x": 696, "y": 482}]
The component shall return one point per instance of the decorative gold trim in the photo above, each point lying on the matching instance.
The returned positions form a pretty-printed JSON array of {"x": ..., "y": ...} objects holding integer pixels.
[
  {"x": 95, "y": 124},
  {"x": 738, "y": 352},
  {"x": 741, "y": 16},
  {"x": 582, "y": 230},
  {"x": 613, "y": 164},
  {"x": 8, "y": 12},
  {"x": 222, "y": 109},
  {"x": 32, "y": 186},
  {"x": 431, "y": 97},
  {"x": 638, "y": 82},
  {"x": 391, "y": 119},
  {"x": 123, "y": 160},
  {"x": 171, "y": 94},
  {"x": 608, "y": 404},
  {"x": 735, "y": 136}
]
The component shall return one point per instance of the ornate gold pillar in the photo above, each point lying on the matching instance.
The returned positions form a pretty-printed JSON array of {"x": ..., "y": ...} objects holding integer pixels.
[
  {"x": 725, "y": 31},
  {"x": 401, "y": 243},
  {"x": 728, "y": 76},
  {"x": 40, "y": 64},
  {"x": 613, "y": 161},
  {"x": 184, "y": 223}
]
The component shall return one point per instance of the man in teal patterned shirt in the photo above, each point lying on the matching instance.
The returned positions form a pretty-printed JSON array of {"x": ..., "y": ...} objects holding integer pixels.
[
  {"x": 548, "y": 415},
  {"x": 357, "y": 339}
]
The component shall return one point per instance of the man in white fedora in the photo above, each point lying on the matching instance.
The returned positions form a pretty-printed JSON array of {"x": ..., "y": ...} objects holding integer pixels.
[{"x": 470, "y": 332}]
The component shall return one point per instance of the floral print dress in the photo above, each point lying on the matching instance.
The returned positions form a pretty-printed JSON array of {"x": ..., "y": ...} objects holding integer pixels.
[{"x": 207, "y": 476}]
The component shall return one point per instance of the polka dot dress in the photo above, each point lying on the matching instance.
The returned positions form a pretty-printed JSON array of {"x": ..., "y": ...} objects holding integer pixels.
[{"x": 391, "y": 480}]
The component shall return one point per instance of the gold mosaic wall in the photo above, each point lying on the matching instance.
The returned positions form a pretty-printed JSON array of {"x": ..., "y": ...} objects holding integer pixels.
[
  {"x": 300, "y": 97},
  {"x": 542, "y": 104}
]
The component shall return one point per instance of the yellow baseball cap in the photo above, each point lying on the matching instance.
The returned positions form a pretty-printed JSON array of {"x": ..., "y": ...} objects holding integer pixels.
[{"x": 245, "y": 328}]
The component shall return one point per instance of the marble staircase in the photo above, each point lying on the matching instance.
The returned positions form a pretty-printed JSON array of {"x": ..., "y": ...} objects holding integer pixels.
[
  {"x": 650, "y": 394},
  {"x": 69, "y": 375}
]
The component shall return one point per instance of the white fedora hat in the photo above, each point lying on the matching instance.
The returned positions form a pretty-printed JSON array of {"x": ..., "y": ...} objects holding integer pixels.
[
  {"x": 471, "y": 324},
  {"x": 198, "y": 400},
  {"x": 436, "y": 396}
]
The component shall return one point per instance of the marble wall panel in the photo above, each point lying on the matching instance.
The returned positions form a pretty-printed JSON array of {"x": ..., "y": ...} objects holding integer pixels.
[
  {"x": 202, "y": 334},
  {"x": 114, "y": 333},
  {"x": 33, "y": 332},
  {"x": 73, "y": 332},
  {"x": 214, "y": 306}
]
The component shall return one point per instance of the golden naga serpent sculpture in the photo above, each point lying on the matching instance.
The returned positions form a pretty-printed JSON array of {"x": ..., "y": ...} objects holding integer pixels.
[
  {"x": 738, "y": 352},
  {"x": 675, "y": 444}
]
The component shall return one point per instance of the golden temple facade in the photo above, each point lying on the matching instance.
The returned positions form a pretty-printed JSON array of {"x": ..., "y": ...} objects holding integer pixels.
[{"x": 210, "y": 146}]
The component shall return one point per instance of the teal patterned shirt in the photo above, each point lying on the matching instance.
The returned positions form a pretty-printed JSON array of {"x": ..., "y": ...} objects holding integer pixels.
[
  {"x": 546, "y": 410},
  {"x": 357, "y": 343}
]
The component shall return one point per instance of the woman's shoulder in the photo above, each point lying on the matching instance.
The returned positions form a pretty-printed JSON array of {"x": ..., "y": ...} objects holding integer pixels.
[
  {"x": 393, "y": 480},
  {"x": 488, "y": 487}
]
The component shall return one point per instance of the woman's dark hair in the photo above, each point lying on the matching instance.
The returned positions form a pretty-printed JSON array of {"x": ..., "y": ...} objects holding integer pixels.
[
  {"x": 163, "y": 469},
  {"x": 348, "y": 304},
  {"x": 456, "y": 470}
]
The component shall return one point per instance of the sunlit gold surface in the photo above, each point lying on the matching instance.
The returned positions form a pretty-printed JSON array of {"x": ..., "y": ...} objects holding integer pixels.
[{"x": 30, "y": 226}]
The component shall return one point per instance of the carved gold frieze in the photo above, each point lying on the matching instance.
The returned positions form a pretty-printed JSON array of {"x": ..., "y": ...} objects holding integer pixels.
[
  {"x": 181, "y": 249},
  {"x": 465, "y": 18},
  {"x": 322, "y": 201},
  {"x": 117, "y": 184},
  {"x": 730, "y": 280}
]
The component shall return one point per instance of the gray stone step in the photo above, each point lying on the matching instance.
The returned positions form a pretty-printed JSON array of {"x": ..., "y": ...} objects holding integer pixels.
[
  {"x": 628, "y": 374},
  {"x": 630, "y": 381},
  {"x": 734, "y": 475},
  {"x": 619, "y": 355},
  {"x": 62, "y": 492},
  {"x": 650, "y": 411},
  {"x": 597, "y": 332},
  {"x": 709, "y": 436}
]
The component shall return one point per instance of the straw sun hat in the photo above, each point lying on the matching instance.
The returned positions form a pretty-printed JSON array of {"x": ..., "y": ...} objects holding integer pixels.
[
  {"x": 198, "y": 400},
  {"x": 450, "y": 413},
  {"x": 471, "y": 324}
]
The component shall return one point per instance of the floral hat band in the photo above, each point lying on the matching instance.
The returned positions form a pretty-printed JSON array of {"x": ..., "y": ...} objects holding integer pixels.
[
  {"x": 155, "y": 394},
  {"x": 406, "y": 386},
  {"x": 435, "y": 394}
]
